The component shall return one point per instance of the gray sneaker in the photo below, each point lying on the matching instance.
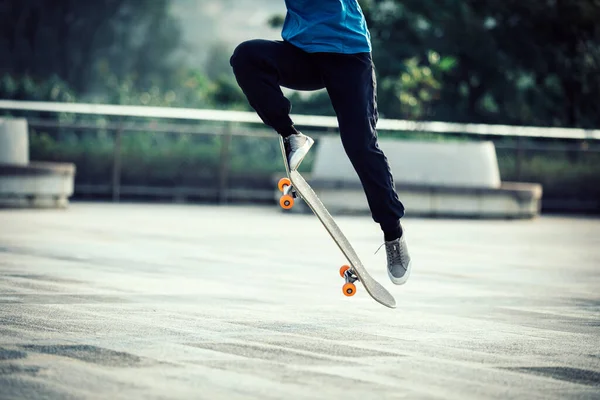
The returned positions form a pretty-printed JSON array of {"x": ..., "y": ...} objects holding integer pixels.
[
  {"x": 398, "y": 260},
  {"x": 296, "y": 147}
]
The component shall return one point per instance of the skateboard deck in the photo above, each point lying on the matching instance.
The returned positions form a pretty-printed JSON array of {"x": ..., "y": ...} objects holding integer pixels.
[{"x": 355, "y": 271}]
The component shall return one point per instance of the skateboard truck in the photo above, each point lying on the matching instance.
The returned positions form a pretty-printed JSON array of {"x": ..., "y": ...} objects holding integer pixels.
[
  {"x": 286, "y": 201},
  {"x": 349, "y": 288}
]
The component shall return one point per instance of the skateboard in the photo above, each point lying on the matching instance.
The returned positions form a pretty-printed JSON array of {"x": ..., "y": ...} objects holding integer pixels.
[{"x": 295, "y": 185}]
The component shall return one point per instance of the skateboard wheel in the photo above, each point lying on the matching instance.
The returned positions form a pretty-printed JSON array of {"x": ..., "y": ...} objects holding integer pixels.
[
  {"x": 349, "y": 289},
  {"x": 286, "y": 202},
  {"x": 283, "y": 182},
  {"x": 343, "y": 270}
]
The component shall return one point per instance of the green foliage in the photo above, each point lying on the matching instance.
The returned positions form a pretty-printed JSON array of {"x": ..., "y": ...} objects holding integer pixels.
[
  {"x": 225, "y": 91},
  {"x": 80, "y": 42},
  {"x": 26, "y": 88},
  {"x": 418, "y": 86},
  {"x": 317, "y": 103},
  {"x": 150, "y": 158},
  {"x": 191, "y": 90},
  {"x": 517, "y": 62},
  {"x": 161, "y": 159},
  {"x": 107, "y": 51},
  {"x": 562, "y": 175}
]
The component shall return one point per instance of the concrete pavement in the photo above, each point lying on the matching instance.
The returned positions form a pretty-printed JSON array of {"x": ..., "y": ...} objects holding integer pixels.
[{"x": 206, "y": 302}]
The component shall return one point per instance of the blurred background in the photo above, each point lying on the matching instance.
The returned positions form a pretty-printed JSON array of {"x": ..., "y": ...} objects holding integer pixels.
[{"x": 513, "y": 62}]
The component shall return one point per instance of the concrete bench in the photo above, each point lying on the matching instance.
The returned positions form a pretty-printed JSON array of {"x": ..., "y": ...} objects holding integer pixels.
[
  {"x": 445, "y": 179},
  {"x": 27, "y": 184}
]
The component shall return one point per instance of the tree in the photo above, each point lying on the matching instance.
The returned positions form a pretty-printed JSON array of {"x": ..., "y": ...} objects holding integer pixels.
[
  {"x": 521, "y": 62},
  {"x": 85, "y": 43}
]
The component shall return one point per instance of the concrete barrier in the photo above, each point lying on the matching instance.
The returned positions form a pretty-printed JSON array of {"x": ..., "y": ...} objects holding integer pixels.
[
  {"x": 448, "y": 164},
  {"x": 26, "y": 184},
  {"x": 14, "y": 141},
  {"x": 441, "y": 179}
]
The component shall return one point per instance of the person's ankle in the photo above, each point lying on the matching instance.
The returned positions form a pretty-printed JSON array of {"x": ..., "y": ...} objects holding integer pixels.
[
  {"x": 289, "y": 131},
  {"x": 392, "y": 232}
]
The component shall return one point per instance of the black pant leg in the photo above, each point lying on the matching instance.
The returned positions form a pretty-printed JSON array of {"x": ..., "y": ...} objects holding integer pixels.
[
  {"x": 261, "y": 67},
  {"x": 351, "y": 84}
]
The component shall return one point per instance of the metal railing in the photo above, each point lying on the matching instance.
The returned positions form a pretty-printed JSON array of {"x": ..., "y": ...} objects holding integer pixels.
[
  {"x": 301, "y": 120},
  {"x": 127, "y": 120}
]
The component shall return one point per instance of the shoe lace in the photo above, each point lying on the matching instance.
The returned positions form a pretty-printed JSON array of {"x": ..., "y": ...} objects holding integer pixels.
[{"x": 394, "y": 252}]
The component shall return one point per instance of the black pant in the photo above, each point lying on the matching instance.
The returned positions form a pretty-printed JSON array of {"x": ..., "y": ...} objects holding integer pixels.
[{"x": 262, "y": 66}]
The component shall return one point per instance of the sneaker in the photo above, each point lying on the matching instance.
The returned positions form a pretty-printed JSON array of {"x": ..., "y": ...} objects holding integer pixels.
[
  {"x": 398, "y": 260},
  {"x": 296, "y": 147}
]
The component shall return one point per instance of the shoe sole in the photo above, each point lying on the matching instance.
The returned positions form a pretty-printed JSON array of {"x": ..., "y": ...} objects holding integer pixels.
[{"x": 401, "y": 281}]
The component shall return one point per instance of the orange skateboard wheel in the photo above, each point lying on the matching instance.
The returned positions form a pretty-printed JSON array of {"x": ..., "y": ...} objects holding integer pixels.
[
  {"x": 343, "y": 270},
  {"x": 283, "y": 182},
  {"x": 286, "y": 202},
  {"x": 349, "y": 289}
]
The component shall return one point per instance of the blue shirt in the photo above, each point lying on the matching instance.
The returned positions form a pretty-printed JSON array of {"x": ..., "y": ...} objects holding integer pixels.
[{"x": 333, "y": 26}]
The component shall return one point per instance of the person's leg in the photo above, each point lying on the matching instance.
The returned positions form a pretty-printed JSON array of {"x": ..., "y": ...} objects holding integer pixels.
[
  {"x": 351, "y": 85},
  {"x": 261, "y": 67},
  {"x": 350, "y": 82}
]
